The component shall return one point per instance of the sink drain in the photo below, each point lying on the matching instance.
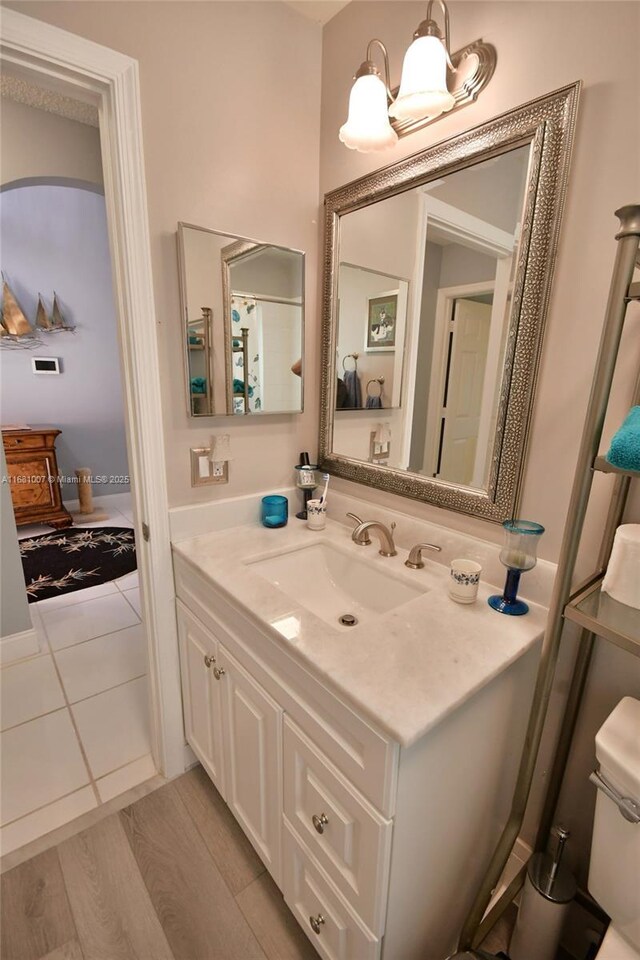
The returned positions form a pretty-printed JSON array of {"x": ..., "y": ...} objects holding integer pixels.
[{"x": 348, "y": 620}]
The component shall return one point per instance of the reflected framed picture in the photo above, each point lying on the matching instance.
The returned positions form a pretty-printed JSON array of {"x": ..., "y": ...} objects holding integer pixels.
[{"x": 382, "y": 314}]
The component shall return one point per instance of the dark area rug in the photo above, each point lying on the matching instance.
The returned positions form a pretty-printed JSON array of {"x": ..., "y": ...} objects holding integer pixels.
[{"x": 75, "y": 558}]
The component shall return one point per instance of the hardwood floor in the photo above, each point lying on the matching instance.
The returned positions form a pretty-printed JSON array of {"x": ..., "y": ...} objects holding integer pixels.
[{"x": 171, "y": 877}]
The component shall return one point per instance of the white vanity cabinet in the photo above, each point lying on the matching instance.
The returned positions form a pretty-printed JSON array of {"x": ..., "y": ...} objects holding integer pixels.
[
  {"x": 234, "y": 728},
  {"x": 378, "y": 848},
  {"x": 201, "y": 695}
]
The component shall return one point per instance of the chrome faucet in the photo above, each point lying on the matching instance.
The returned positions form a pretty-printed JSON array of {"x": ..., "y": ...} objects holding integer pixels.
[
  {"x": 361, "y": 536},
  {"x": 414, "y": 560}
]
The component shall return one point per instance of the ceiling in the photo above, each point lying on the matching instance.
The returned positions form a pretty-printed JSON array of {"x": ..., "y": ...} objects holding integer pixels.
[{"x": 319, "y": 10}]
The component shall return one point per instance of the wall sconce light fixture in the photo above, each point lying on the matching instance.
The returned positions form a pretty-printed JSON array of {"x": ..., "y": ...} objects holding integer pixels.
[{"x": 378, "y": 115}]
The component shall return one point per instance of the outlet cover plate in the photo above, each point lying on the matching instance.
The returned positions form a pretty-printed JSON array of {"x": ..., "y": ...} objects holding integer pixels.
[{"x": 215, "y": 473}]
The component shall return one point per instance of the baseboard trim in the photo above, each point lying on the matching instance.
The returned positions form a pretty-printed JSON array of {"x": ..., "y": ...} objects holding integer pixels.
[{"x": 19, "y": 646}]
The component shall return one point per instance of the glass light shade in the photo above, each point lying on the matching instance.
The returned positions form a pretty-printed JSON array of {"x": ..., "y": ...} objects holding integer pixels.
[
  {"x": 423, "y": 86},
  {"x": 367, "y": 127}
]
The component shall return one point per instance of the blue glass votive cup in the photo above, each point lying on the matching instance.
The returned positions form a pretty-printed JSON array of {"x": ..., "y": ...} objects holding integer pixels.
[{"x": 275, "y": 511}]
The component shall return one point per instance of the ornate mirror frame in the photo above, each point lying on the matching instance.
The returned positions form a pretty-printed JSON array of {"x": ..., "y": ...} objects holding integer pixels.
[{"x": 547, "y": 124}]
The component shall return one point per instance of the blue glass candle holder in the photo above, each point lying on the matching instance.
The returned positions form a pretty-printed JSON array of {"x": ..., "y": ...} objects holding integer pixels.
[
  {"x": 518, "y": 554},
  {"x": 275, "y": 511}
]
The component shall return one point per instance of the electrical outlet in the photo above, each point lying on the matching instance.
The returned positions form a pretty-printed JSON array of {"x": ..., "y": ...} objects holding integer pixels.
[{"x": 204, "y": 472}]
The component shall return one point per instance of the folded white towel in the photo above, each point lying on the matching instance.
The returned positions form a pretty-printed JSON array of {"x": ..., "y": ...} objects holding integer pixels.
[{"x": 622, "y": 579}]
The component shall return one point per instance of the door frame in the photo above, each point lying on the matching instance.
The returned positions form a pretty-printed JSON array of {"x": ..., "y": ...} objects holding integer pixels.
[{"x": 87, "y": 71}]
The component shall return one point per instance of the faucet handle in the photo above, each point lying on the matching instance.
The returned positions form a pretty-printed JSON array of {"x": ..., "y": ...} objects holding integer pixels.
[
  {"x": 414, "y": 560},
  {"x": 365, "y": 540}
]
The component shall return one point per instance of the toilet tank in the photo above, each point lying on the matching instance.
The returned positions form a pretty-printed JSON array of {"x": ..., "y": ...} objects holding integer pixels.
[{"x": 614, "y": 872}]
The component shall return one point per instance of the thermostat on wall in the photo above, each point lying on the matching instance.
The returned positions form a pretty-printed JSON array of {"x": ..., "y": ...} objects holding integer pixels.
[{"x": 45, "y": 364}]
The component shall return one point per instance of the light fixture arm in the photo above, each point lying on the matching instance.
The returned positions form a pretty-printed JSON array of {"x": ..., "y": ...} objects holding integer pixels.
[
  {"x": 368, "y": 67},
  {"x": 429, "y": 28}
]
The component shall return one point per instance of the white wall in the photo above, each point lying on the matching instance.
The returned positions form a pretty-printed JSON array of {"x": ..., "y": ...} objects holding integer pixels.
[
  {"x": 221, "y": 150},
  {"x": 55, "y": 238},
  {"x": 541, "y": 46},
  {"x": 37, "y": 144}
]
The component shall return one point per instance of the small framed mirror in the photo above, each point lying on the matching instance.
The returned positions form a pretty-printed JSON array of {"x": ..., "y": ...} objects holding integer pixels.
[
  {"x": 243, "y": 315},
  {"x": 437, "y": 278}
]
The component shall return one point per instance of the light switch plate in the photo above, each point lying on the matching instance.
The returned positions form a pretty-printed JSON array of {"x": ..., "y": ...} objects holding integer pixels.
[{"x": 203, "y": 472}]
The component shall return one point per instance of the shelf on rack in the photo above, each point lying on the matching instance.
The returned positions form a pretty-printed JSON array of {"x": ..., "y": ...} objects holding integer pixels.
[
  {"x": 603, "y": 466},
  {"x": 604, "y": 616}
]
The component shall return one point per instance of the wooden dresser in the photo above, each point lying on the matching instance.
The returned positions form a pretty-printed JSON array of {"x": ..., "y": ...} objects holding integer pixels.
[{"x": 33, "y": 475}]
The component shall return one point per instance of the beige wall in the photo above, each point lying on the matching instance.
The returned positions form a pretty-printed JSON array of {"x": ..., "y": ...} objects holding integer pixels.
[
  {"x": 541, "y": 46},
  {"x": 36, "y": 143},
  {"x": 230, "y": 102}
]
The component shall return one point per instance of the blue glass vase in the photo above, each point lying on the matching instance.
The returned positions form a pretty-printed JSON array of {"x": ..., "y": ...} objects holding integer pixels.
[{"x": 518, "y": 554}]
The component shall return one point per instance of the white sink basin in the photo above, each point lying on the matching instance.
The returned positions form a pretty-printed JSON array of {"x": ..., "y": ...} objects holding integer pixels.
[{"x": 333, "y": 583}]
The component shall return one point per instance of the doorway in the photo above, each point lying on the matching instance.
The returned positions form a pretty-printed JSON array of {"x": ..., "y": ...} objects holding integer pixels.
[{"x": 80, "y": 69}]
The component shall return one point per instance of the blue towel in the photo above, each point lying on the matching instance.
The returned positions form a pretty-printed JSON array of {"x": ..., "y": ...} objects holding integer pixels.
[
  {"x": 624, "y": 451},
  {"x": 198, "y": 385},
  {"x": 354, "y": 390},
  {"x": 374, "y": 403}
]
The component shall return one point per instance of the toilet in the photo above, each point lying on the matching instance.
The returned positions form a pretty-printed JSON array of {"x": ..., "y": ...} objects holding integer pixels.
[{"x": 614, "y": 871}]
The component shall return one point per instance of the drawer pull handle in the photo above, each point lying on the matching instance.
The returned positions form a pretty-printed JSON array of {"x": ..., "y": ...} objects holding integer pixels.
[
  {"x": 208, "y": 660},
  {"x": 316, "y": 923},
  {"x": 320, "y": 822},
  {"x": 219, "y": 672}
]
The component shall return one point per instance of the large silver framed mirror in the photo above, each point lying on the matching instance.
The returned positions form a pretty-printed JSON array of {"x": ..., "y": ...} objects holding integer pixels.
[
  {"x": 437, "y": 272},
  {"x": 243, "y": 316}
]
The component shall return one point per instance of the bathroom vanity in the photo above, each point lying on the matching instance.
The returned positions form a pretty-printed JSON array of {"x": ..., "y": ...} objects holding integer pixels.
[{"x": 370, "y": 766}]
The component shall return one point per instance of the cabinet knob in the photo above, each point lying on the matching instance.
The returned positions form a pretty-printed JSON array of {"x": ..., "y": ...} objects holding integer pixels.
[
  {"x": 320, "y": 822},
  {"x": 316, "y": 923},
  {"x": 208, "y": 660},
  {"x": 218, "y": 672}
]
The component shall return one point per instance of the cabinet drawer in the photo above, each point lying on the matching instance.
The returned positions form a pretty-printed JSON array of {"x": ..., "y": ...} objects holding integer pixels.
[
  {"x": 32, "y": 441},
  {"x": 313, "y": 902},
  {"x": 348, "y": 837}
]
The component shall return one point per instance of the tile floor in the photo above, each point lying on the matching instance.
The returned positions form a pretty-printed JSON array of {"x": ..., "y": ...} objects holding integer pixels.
[{"x": 74, "y": 719}]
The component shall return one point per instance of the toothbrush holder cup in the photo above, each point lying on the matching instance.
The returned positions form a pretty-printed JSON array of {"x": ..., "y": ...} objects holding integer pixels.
[
  {"x": 464, "y": 580},
  {"x": 316, "y": 514}
]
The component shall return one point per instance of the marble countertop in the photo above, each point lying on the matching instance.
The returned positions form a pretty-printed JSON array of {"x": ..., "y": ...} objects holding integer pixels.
[{"x": 406, "y": 669}]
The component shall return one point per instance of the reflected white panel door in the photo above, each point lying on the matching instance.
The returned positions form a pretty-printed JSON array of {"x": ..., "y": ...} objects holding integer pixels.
[
  {"x": 202, "y": 704},
  {"x": 254, "y": 759},
  {"x": 463, "y": 390}
]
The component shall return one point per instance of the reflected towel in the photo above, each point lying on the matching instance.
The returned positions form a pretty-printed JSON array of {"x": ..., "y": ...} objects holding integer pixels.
[
  {"x": 624, "y": 451},
  {"x": 374, "y": 403},
  {"x": 198, "y": 385},
  {"x": 353, "y": 388}
]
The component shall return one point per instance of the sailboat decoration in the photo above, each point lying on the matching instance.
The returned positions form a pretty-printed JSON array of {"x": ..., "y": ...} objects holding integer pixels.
[
  {"x": 54, "y": 323},
  {"x": 42, "y": 317},
  {"x": 15, "y": 329},
  {"x": 14, "y": 321},
  {"x": 58, "y": 321}
]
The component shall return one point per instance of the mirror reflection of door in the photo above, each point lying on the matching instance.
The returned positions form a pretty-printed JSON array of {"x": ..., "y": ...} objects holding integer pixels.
[{"x": 462, "y": 396}]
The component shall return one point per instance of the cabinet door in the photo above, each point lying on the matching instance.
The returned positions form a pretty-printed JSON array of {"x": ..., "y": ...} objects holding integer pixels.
[
  {"x": 201, "y": 694},
  {"x": 252, "y": 723}
]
